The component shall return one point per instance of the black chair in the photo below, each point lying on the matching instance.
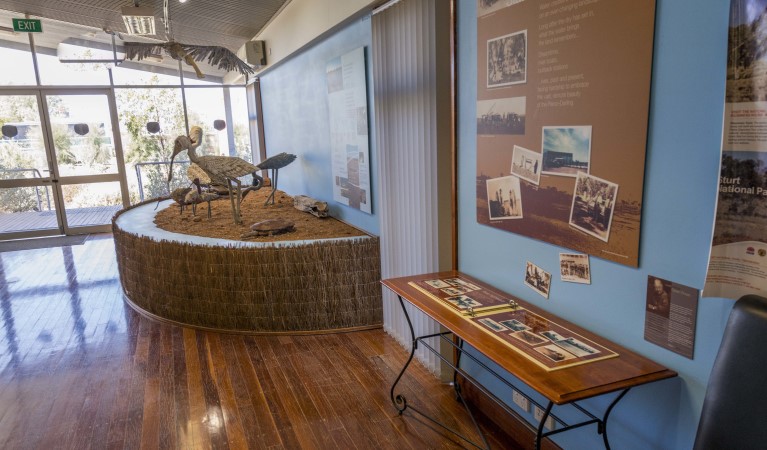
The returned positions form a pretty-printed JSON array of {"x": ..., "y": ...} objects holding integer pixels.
[{"x": 735, "y": 406}]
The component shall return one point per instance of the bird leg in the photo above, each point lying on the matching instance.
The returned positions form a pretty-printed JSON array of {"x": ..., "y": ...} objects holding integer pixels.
[
  {"x": 239, "y": 199},
  {"x": 208, "y": 209},
  {"x": 274, "y": 187},
  {"x": 231, "y": 199}
]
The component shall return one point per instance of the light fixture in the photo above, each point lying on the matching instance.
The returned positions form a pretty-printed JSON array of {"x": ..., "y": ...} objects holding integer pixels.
[
  {"x": 139, "y": 20},
  {"x": 182, "y": 1}
]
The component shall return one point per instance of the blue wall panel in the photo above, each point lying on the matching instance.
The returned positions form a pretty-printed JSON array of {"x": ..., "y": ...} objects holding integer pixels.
[
  {"x": 295, "y": 105},
  {"x": 680, "y": 193}
]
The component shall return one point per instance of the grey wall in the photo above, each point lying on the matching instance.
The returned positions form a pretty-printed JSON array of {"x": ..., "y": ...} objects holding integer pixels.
[{"x": 295, "y": 111}]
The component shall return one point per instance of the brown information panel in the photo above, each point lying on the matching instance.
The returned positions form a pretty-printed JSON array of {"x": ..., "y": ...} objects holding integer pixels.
[{"x": 542, "y": 341}]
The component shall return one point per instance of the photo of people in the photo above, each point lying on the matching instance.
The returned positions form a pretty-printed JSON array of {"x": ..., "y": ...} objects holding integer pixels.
[
  {"x": 528, "y": 338},
  {"x": 526, "y": 164},
  {"x": 504, "y": 198},
  {"x": 575, "y": 268},
  {"x": 492, "y": 324},
  {"x": 437, "y": 284},
  {"x": 593, "y": 204},
  {"x": 658, "y": 296},
  {"x": 489, "y": 6},
  {"x": 566, "y": 150},
  {"x": 501, "y": 116},
  {"x": 463, "y": 302},
  {"x": 554, "y": 353},
  {"x": 515, "y": 325},
  {"x": 552, "y": 335},
  {"x": 507, "y": 59},
  {"x": 576, "y": 347},
  {"x": 455, "y": 290},
  {"x": 464, "y": 284},
  {"x": 538, "y": 279}
]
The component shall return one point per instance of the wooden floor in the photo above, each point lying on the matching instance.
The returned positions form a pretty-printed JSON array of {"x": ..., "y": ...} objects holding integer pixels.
[
  {"x": 45, "y": 220},
  {"x": 79, "y": 369}
]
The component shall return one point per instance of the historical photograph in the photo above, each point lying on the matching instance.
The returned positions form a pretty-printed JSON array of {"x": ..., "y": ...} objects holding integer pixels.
[
  {"x": 460, "y": 282},
  {"x": 526, "y": 164},
  {"x": 437, "y": 284},
  {"x": 576, "y": 347},
  {"x": 658, "y": 296},
  {"x": 528, "y": 338},
  {"x": 566, "y": 150},
  {"x": 593, "y": 204},
  {"x": 554, "y": 353},
  {"x": 515, "y": 325},
  {"x": 501, "y": 116},
  {"x": 552, "y": 335},
  {"x": 485, "y": 7},
  {"x": 507, "y": 60},
  {"x": 575, "y": 268},
  {"x": 463, "y": 302},
  {"x": 538, "y": 279},
  {"x": 504, "y": 198},
  {"x": 455, "y": 290},
  {"x": 492, "y": 324}
]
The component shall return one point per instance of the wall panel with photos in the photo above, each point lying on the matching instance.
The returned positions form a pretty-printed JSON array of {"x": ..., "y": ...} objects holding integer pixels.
[{"x": 563, "y": 90}]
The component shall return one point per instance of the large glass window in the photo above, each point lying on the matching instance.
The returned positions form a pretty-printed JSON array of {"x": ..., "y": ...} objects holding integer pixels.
[{"x": 55, "y": 73}]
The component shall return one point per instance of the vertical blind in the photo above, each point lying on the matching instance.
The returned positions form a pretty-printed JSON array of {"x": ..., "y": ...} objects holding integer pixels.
[{"x": 405, "y": 99}]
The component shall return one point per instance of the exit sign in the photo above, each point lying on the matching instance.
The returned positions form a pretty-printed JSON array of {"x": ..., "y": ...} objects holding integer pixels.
[{"x": 27, "y": 25}]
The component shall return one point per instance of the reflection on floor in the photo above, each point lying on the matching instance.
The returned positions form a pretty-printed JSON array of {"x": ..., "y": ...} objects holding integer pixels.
[
  {"x": 46, "y": 220},
  {"x": 79, "y": 369}
]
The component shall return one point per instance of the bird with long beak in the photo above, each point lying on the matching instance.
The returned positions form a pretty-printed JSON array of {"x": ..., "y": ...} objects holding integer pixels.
[{"x": 224, "y": 170}]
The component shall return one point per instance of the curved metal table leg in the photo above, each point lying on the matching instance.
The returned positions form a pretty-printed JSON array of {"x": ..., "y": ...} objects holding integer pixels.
[{"x": 399, "y": 401}]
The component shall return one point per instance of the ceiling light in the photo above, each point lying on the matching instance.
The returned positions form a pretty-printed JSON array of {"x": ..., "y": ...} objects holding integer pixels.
[
  {"x": 182, "y": 1},
  {"x": 139, "y": 19}
]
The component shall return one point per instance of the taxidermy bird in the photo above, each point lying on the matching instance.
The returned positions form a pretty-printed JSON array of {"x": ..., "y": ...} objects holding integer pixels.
[
  {"x": 223, "y": 170},
  {"x": 221, "y": 57}
]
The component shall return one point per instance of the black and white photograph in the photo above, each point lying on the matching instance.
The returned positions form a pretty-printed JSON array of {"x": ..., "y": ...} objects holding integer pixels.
[
  {"x": 514, "y": 325},
  {"x": 501, "y": 116},
  {"x": 504, "y": 198},
  {"x": 538, "y": 279},
  {"x": 463, "y": 302},
  {"x": 575, "y": 268},
  {"x": 554, "y": 353},
  {"x": 552, "y": 335},
  {"x": 526, "y": 164},
  {"x": 455, "y": 290},
  {"x": 493, "y": 325},
  {"x": 576, "y": 347},
  {"x": 507, "y": 60},
  {"x": 658, "y": 296},
  {"x": 485, "y": 7},
  {"x": 460, "y": 282},
  {"x": 593, "y": 204},
  {"x": 437, "y": 284},
  {"x": 566, "y": 150},
  {"x": 528, "y": 338}
]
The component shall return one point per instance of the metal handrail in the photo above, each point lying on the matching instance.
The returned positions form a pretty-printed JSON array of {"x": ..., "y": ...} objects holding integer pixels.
[
  {"x": 151, "y": 163},
  {"x": 37, "y": 188}
]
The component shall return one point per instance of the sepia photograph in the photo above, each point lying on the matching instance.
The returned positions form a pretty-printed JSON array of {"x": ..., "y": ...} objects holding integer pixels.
[
  {"x": 552, "y": 335},
  {"x": 504, "y": 198},
  {"x": 566, "y": 150},
  {"x": 501, "y": 116},
  {"x": 593, "y": 203},
  {"x": 575, "y": 268},
  {"x": 576, "y": 347},
  {"x": 463, "y": 301},
  {"x": 514, "y": 325},
  {"x": 526, "y": 164},
  {"x": 538, "y": 279},
  {"x": 438, "y": 284},
  {"x": 554, "y": 353},
  {"x": 461, "y": 283},
  {"x": 658, "y": 296},
  {"x": 528, "y": 338},
  {"x": 493, "y": 325},
  {"x": 507, "y": 60},
  {"x": 485, "y": 7},
  {"x": 455, "y": 290}
]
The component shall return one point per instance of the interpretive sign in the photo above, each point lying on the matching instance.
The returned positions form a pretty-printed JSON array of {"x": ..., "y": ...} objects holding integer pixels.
[
  {"x": 348, "y": 115},
  {"x": 563, "y": 89},
  {"x": 542, "y": 341},
  {"x": 672, "y": 311},
  {"x": 738, "y": 261}
]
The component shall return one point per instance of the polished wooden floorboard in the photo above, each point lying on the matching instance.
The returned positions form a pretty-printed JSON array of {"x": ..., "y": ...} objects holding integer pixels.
[{"x": 80, "y": 369}]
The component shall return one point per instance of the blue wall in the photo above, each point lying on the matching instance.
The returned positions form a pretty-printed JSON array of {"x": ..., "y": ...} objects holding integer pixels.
[
  {"x": 295, "y": 111},
  {"x": 680, "y": 193}
]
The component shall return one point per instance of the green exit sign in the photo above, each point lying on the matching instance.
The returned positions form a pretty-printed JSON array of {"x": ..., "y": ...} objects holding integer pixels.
[{"x": 27, "y": 25}]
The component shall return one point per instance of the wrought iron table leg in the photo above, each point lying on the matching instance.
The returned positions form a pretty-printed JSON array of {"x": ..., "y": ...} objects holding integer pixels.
[
  {"x": 603, "y": 425},
  {"x": 539, "y": 434},
  {"x": 399, "y": 401}
]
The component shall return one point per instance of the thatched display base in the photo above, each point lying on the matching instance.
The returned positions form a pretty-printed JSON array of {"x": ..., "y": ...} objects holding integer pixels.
[{"x": 302, "y": 286}]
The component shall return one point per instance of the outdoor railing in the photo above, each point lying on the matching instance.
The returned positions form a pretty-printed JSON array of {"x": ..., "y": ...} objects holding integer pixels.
[
  {"x": 151, "y": 163},
  {"x": 36, "y": 174}
]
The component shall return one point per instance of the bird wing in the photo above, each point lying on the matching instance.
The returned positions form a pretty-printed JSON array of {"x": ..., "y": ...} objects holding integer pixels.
[
  {"x": 226, "y": 166},
  {"x": 221, "y": 57},
  {"x": 141, "y": 50}
]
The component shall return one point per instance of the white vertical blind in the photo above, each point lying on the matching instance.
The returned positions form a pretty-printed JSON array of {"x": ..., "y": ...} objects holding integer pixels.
[{"x": 405, "y": 89}]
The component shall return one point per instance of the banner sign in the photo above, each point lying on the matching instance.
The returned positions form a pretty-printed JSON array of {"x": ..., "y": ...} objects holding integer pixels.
[{"x": 738, "y": 262}]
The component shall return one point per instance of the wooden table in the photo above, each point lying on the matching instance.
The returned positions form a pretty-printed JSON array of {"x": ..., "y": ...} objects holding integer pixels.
[{"x": 560, "y": 386}]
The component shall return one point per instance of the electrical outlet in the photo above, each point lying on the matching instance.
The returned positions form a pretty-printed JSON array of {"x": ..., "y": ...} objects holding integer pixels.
[
  {"x": 538, "y": 414},
  {"x": 521, "y": 401}
]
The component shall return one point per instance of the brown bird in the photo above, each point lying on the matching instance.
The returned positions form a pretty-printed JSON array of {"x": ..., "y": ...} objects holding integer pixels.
[{"x": 221, "y": 57}]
